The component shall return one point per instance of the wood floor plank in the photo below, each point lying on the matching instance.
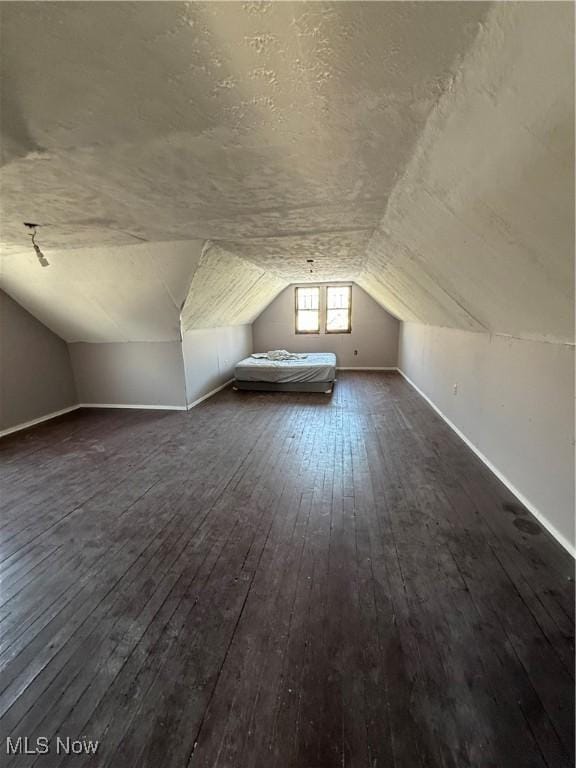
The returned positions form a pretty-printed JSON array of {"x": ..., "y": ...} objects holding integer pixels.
[
  {"x": 142, "y": 676},
  {"x": 185, "y": 561},
  {"x": 523, "y": 631},
  {"x": 247, "y": 666},
  {"x": 283, "y": 580}
]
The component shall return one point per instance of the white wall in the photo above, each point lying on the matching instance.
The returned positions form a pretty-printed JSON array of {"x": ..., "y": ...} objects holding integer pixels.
[
  {"x": 210, "y": 355},
  {"x": 514, "y": 402},
  {"x": 35, "y": 372},
  {"x": 170, "y": 374},
  {"x": 134, "y": 373},
  {"x": 374, "y": 332}
]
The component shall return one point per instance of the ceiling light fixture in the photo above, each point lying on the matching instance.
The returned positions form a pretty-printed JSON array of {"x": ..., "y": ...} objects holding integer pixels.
[
  {"x": 310, "y": 261},
  {"x": 43, "y": 261}
]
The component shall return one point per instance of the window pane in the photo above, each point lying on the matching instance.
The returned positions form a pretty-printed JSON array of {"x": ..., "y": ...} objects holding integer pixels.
[
  {"x": 337, "y": 320},
  {"x": 338, "y": 296},
  {"x": 308, "y": 298},
  {"x": 338, "y": 302},
  {"x": 308, "y": 309},
  {"x": 307, "y": 320}
]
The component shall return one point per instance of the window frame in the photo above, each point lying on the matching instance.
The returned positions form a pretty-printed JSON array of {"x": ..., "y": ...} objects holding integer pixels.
[
  {"x": 322, "y": 309},
  {"x": 297, "y": 309},
  {"x": 326, "y": 309}
]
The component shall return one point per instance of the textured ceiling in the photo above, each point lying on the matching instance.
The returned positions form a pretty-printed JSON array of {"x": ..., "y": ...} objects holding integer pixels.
[
  {"x": 479, "y": 233},
  {"x": 224, "y": 287},
  {"x": 398, "y": 144},
  {"x": 226, "y": 121}
]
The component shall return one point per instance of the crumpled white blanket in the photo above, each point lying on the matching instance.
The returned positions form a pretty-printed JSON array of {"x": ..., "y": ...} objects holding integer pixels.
[{"x": 279, "y": 354}]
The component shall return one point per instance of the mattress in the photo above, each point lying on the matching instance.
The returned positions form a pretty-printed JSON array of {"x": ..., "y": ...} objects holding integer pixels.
[{"x": 316, "y": 366}]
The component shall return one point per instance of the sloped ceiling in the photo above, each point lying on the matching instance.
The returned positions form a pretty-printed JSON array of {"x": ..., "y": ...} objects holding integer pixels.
[
  {"x": 123, "y": 293},
  {"x": 224, "y": 287},
  {"x": 421, "y": 149},
  {"x": 479, "y": 232},
  {"x": 275, "y": 130}
]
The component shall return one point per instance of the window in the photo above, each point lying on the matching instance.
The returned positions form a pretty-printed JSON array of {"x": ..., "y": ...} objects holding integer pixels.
[
  {"x": 308, "y": 310},
  {"x": 323, "y": 308},
  {"x": 338, "y": 308}
]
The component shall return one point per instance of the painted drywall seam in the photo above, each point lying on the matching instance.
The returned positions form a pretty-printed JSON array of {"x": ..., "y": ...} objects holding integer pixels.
[{"x": 560, "y": 538}]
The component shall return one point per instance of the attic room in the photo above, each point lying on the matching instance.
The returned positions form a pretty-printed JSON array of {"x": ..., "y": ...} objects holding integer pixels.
[{"x": 287, "y": 384}]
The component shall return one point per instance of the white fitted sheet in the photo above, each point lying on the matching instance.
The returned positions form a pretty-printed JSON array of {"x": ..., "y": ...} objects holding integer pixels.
[{"x": 316, "y": 366}]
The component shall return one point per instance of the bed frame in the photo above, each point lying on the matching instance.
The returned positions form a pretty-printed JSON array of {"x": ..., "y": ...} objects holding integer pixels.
[{"x": 288, "y": 386}]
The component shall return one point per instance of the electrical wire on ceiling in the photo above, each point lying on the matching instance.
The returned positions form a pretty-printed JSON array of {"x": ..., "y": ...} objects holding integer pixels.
[{"x": 42, "y": 260}]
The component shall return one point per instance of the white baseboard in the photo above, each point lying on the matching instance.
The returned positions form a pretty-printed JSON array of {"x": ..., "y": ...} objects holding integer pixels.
[
  {"x": 209, "y": 394},
  {"x": 560, "y": 538},
  {"x": 366, "y": 368},
  {"x": 39, "y": 420},
  {"x": 511, "y": 487},
  {"x": 142, "y": 407}
]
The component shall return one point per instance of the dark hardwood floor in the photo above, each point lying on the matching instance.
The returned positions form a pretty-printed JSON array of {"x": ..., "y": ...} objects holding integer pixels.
[{"x": 276, "y": 580}]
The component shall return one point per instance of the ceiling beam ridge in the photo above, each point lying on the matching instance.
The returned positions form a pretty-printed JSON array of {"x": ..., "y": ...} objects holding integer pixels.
[
  {"x": 248, "y": 261},
  {"x": 302, "y": 233}
]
